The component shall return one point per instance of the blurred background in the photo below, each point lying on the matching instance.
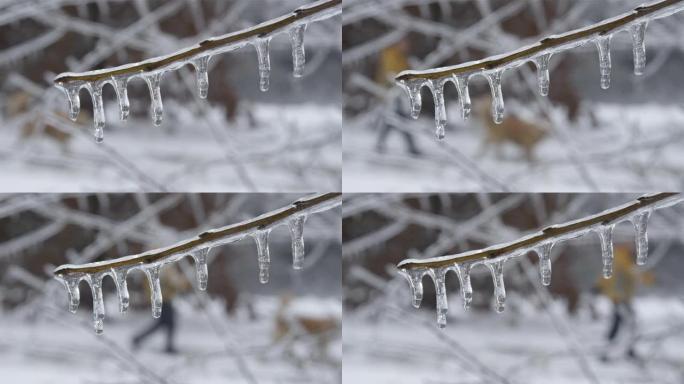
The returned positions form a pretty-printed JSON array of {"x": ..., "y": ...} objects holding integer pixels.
[
  {"x": 580, "y": 138},
  {"x": 580, "y": 329},
  {"x": 238, "y": 139},
  {"x": 240, "y": 331}
]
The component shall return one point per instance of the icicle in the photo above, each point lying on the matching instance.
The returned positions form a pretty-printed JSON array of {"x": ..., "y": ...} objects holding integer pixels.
[
  {"x": 603, "y": 45},
  {"x": 640, "y": 222},
  {"x": 73, "y": 292},
  {"x": 156, "y": 109},
  {"x": 412, "y": 88},
  {"x": 297, "y": 232},
  {"x": 606, "y": 235},
  {"x": 263, "y": 57},
  {"x": 544, "y": 252},
  {"x": 263, "y": 255},
  {"x": 542, "y": 63},
  {"x": 95, "y": 282},
  {"x": 298, "y": 54},
  {"x": 463, "y": 272},
  {"x": 95, "y": 90},
  {"x": 121, "y": 288},
  {"x": 496, "y": 268},
  {"x": 437, "y": 88},
  {"x": 638, "y": 31},
  {"x": 120, "y": 86},
  {"x": 494, "y": 79},
  {"x": 201, "y": 71},
  {"x": 463, "y": 95},
  {"x": 200, "y": 257},
  {"x": 152, "y": 274},
  {"x": 439, "y": 277},
  {"x": 415, "y": 279},
  {"x": 71, "y": 92}
]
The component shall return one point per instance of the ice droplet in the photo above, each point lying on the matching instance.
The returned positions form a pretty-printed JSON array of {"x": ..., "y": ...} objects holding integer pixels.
[
  {"x": 603, "y": 45},
  {"x": 71, "y": 92},
  {"x": 638, "y": 32},
  {"x": 95, "y": 282},
  {"x": 201, "y": 72},
  {"x": 412, "y": 88},
  {"x": 544, "y": 253},
  {"x": 439, "y": 276},
  {"x": 297, "y": 233},
  {"x": 494, "y": 79},
  {"x": 201, "y": 267},
  {"x": 264, "y": 59},
  {"x": 463, "y": 95},
  {"x": 298, "y": 54},
  {"x": 157, "y": 108},
  {"x": 152, "y": 273},
  {"x": 496, "y": 269},
  {"x": 120, "y": 87},
  {"x": 121, "y": 288},
  {"x": 263, "y": 255},
  {"x": 542, "y": 63},
  {"x": 95, "y": 90},
  {"x": 415, "y": 279},
  {"x": 71, "y": 284},
  {"x": 606, "y": 235},
  {"x": 463, "y": 272},
  {"x": 437, "y": 88},
  {"x": 640, "y": 222}
]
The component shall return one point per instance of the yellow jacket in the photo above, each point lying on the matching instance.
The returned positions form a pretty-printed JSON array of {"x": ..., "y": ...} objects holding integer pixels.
[
  {"x": 392, "y": 61},
  {"x": 622, "y": 285}
]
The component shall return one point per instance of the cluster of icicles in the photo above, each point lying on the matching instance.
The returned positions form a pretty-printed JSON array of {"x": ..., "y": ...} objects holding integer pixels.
[
  {"x": 153, "y": 271},
  {"x": 153, "y": 80},
  {"x": 541, "y": 61},
  {"x": 495, "y": 266}
]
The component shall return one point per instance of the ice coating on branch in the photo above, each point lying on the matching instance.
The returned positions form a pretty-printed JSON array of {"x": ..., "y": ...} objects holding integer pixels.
[
  {"x": 71, "y": 92},
  {"x": 638, "y": 32},
  {"x": 95, "y": 90},
  {"x": 606, "y": 235},
  {"x": 544, "y": 253},
  {"x": 640, "y": 222},
  {"x": 263, "y": 57},
  {"x": 439, "y": 277},
  {"x": 296, "y": 226},
  {"x": 412, "y": 88},
  {"x": 463, "y": 272},
  {"x": 201, "y": 72},
  {"x": 154, "y": 84},
  {"x": 437, "y": 88},
  {"x": 201, "y": 267},
  {"x": 263, "y": 255},
  {"x": 415, "y": 279},
  {"x": 461, "y": 83},
  {"x": 73, "y": 293},
  {"x": 152, "y": 272},
  {"x": 119, "y": 275},
  {"x": 496, "y": 269},
  {"x": 298, "y": 54},
  {"x": 95, "y": 281},
  {"x": 494, "y": 79},
  {"x": 120, "y": 87},
  {"x": 542, "y": 63},
  {"x": 603, "y": 45}
]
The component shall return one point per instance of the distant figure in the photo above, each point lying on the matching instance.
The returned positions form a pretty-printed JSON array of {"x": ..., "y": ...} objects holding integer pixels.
[
  {"x": 526, "y": 135},
  {"x": 19, "y": 104},
  {"x": 620, "y": 289},
  {"x": 393, "y": 60},
  {"x": 172, "y": 282}
]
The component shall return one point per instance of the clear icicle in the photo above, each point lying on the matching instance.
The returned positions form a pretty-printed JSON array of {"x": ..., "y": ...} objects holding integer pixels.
[
  {"x": 263, "y": 255},
  {"x": 638, "y": 31},
  {"x": 71, "y": 92},
  {"x": 603, "y": 45},
  {"x": 202, "y": 73},
  {"x": 121, "y": 288},
  {"x": 544, "y": 252},
  {"x": 463, "y": 272},
  {"x": 297, "y": 233},
  {"x": 95, "y": 90},
  {"x": 415, "y": 279},
  {"x": 439, "y": 277},
  {"x": 157, "y": 108},
  {"x": 73, "y": 292},
  {"x": 412, "y": 88},
  {"x": 496, "y": 268},
  {"x": 437, "y": 88},
  {"x": 298, "y": 54},
  {"x": 95, "y": 282},
  {"x": 463, "y": 95},
  {"x": 606, "y": 235},
  {"x": 264, "y": 59},
  {"x": 542, "y": 63},
  {"x": 494, "y": 79},
  {"x": 640, "y": 222},
  {"x": 120, "y": 87},
  {"x": 201, "y": 267},
  {"x": 152, "y": 274}
]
